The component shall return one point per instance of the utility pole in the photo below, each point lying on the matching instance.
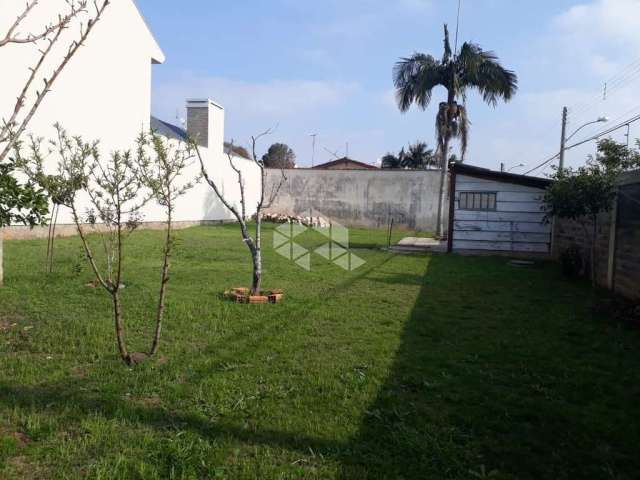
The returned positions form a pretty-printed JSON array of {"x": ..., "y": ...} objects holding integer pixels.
[
  {"x": 563, "y": 138},
  {"x": 628, "y": 133},
  {"x": 313, "y": 147}
]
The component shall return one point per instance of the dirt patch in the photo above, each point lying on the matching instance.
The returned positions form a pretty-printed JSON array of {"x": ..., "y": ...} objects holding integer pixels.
[
  {"x": 8, "y": 322},
  {"x": 23, "y": 468},
  {"x": 21, "y": 439},
  {"x": 162, "y": 360}
]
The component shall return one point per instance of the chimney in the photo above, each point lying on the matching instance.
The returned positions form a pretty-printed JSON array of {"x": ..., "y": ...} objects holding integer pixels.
[{"x": 205, "y": 124}]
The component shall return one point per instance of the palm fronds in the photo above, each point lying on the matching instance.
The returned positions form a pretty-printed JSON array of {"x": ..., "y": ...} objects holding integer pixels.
[
  {"x": 473, "y": 68},
  {"x": 481, "y": 70},
  {"x": 415, "y": 78}
]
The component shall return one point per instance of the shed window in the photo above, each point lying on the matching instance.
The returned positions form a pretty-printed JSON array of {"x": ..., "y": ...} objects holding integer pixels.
[{"x": 478, "y": 201}]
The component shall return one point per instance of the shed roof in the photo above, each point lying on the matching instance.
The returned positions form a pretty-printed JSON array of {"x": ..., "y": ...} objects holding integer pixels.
[{"x": 486, "y": 173}]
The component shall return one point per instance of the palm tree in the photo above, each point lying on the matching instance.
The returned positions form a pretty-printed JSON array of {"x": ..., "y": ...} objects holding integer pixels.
[
  {"x": 390, "y": 161},
  {"x": 420, "y": 156},
  {"x": 416, "y": 76}
]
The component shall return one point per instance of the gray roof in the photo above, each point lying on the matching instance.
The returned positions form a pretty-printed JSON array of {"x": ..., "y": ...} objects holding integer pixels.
[
  {"x": 526, "y": 180},
  {"x": 174, "y": 132},
  {"x": 168, "y": 130}
]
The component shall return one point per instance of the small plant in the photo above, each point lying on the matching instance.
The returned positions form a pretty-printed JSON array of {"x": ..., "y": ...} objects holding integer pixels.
[
  {"x": 571, "y": 261},
  {"x": 159, "y": 167},
  {"x": 117, "y": 188}
]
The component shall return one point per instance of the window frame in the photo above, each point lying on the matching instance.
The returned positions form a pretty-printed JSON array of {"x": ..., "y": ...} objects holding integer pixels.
[{"x": 474, "y": 196}]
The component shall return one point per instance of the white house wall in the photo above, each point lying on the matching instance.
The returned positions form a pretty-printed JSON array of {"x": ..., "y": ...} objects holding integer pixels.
[
  {"x": 201, "y": 202},
  {"x": 517, "y": 224},
  {"x": 104, "y": 94}
]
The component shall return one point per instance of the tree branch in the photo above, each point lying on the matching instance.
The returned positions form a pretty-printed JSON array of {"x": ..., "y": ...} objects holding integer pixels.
[
  {"x": 12, "y": 137},
  {"x": 63, "y": 21}
]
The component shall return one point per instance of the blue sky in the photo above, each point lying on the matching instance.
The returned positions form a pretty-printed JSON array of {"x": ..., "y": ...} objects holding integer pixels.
[{"x": 325, "y": 67}]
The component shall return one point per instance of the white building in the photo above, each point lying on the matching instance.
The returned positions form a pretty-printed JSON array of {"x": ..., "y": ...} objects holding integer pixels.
[{"x": 105, "y": 93}]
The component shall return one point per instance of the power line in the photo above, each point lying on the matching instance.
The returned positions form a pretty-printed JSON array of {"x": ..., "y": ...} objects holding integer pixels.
[
  {"x": 587, "y": 140},
  {"x": 606, "y": 132},
  {"x": 593, "y": 129},
  {"x": 613, "y": 86},
  {"x": 542, "y": 164}
]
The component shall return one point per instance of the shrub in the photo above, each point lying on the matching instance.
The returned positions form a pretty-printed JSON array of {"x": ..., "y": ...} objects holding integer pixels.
[{"x": 571, "y": 261}]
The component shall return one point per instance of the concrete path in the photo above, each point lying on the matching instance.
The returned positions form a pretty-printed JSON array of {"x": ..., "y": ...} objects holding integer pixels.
[{"x": 416, "y": 244}]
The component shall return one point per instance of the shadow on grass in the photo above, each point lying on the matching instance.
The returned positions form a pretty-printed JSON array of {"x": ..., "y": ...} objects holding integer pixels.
[
  {"x": 486, "y": 385},
  {"x": 69, "y": 400},
  {"x": 473, "y": 387}
]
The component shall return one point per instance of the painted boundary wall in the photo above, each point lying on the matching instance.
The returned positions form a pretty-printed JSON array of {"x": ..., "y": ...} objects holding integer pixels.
[{"x": 361, "y": 198}]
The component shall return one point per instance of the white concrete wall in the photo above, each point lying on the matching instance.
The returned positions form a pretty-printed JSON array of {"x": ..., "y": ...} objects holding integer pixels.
[
  {"x": 515, "y": 226},
  {"x": 361, "y": 198}
]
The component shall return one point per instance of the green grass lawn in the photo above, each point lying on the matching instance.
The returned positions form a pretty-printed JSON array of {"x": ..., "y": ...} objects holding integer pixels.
[{"x": 411, "y": 367}]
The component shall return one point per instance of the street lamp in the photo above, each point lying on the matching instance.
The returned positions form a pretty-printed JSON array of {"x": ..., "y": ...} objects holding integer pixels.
[
  {"x": 564, "y": 139},
  {"x": 502, "y": 167}
]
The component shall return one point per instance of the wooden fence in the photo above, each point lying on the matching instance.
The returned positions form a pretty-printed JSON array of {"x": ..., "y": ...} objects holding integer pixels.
[{"x": 617, "y": 243}]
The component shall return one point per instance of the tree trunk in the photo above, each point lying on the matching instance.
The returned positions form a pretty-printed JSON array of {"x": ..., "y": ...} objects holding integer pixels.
[
  {"x": 440, "y": 233},
  {"x": 163, "y": 289},
  {"x": 256, "y": 253},
  {"x": 119, "y": 324},
  {"x": 451, "y": 100},
  {"x": 1, "y": 257},
  {"x": 52, "y": 237},
  {"x": 47, "y": 268}
]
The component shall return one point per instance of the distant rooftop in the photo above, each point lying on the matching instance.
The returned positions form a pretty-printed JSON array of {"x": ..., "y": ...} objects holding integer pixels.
[{"x": 345, "y": 163}]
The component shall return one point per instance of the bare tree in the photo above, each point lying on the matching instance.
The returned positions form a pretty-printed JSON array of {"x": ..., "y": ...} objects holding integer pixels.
[{"x": 254, "y": 243}]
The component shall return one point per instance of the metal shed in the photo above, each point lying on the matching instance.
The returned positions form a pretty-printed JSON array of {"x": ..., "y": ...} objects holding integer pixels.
[{"x": 497, "y": 211}]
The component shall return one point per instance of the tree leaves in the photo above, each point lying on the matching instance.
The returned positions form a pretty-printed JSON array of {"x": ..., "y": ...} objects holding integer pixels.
[
  {"x": 20, "y": 203},
  {"x": 279, "y": 155}
]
